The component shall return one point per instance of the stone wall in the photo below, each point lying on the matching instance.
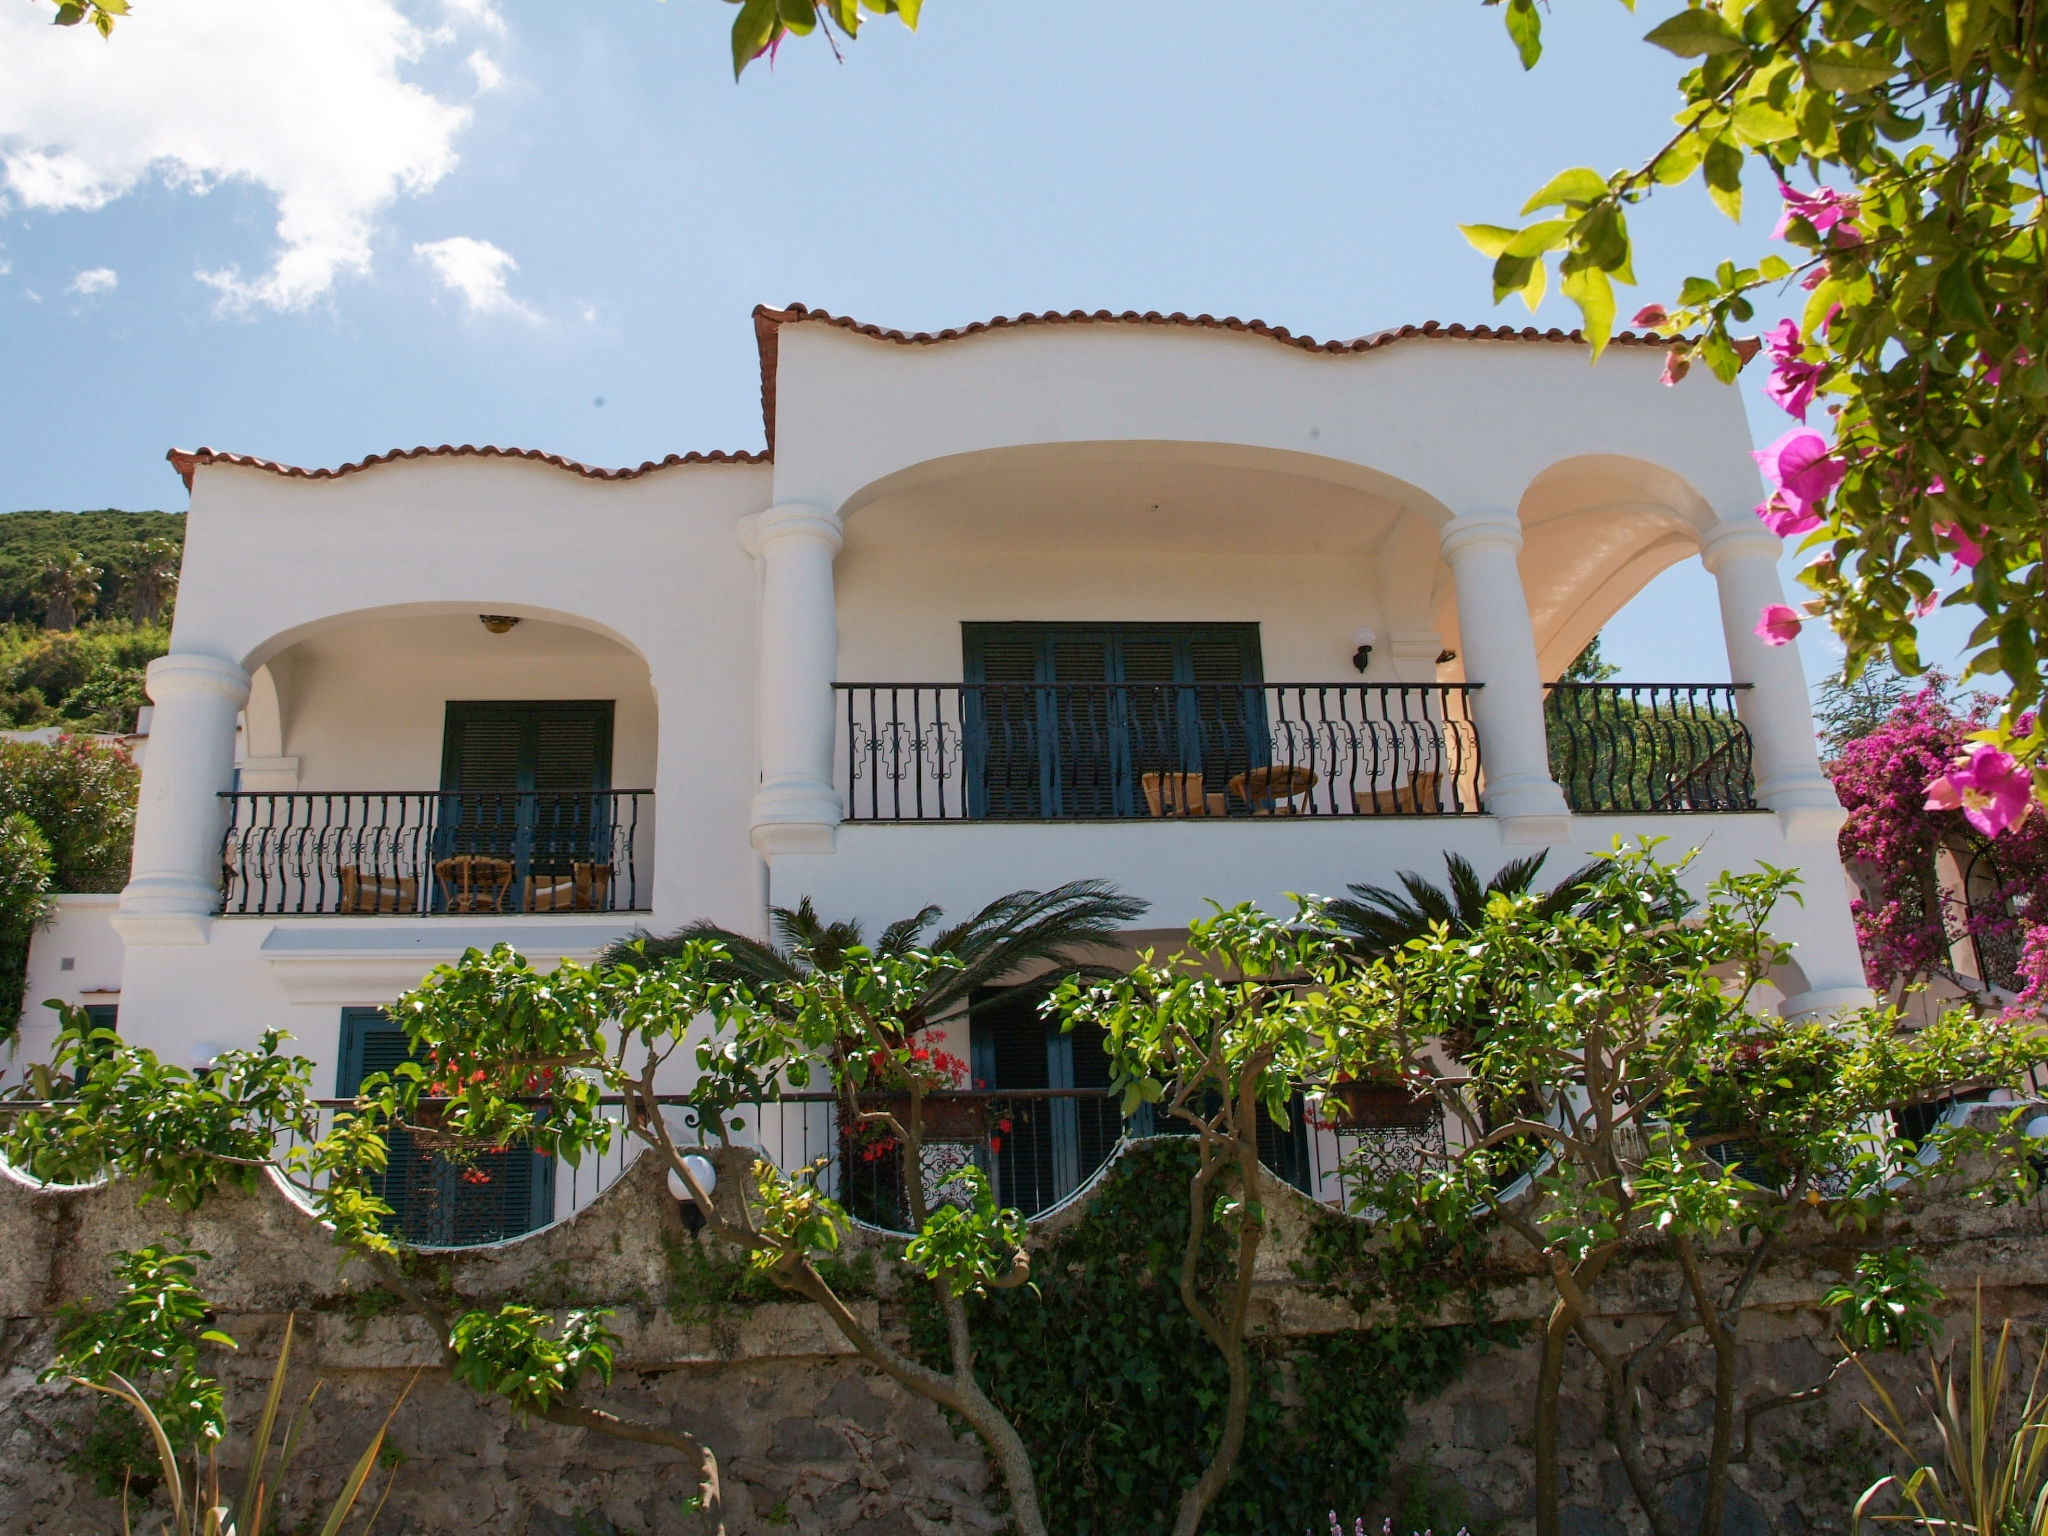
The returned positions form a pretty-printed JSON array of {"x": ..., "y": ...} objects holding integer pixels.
[{"x": 811, "y": 1440}]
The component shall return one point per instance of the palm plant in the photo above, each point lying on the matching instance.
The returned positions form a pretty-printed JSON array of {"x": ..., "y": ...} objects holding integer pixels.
[
  {"x": 71, "y": 584},
  {"x": 1051, "y": 928},
  {"x": 1379, "y": 921},
  {"x": 152, "y": 578}
]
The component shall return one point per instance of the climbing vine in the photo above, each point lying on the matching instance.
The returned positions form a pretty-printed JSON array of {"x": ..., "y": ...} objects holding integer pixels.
[{"x": 1118, "y": 1396}]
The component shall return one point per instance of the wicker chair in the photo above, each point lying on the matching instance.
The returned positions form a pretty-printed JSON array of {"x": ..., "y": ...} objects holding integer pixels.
[
  {"x": 474, "y": 882},
  {"x": 1418, "y": 797},
  {"x": 1179, "y": 794},
  {"x": 368, "y": 891},
  {"x": 585, "y": 888}
]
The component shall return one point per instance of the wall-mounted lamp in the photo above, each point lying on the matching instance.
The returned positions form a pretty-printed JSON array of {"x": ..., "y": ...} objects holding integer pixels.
[
  {"x": 706, "y": 1175},
  {"x": 1362, "y": 657},
  {"x": 1446, "y": 656},
  {"x": 498, "y": 623}
]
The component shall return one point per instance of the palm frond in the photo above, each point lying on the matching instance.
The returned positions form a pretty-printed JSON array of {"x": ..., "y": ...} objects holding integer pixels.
[
  {"x": 902, "y": 935},
  {"x": 1026, "y": 928}
]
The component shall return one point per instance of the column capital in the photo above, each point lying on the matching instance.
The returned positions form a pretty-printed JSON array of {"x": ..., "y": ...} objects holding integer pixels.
[
  {"x": 788, "y": 521},
  {"x": 1736, "y": 539},
  {"x": 186, "y": 674},
  {"x": 1490, "y": 527}
]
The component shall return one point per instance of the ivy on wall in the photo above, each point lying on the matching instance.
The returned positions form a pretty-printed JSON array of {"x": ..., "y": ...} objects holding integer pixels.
[{"x": 1118, "y": 1394}]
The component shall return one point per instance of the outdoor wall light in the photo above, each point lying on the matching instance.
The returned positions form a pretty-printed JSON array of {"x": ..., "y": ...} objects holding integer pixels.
[
  {"x": 497, "y": 623},
  {"x": 1361, "y": 657},
  {"x": 706, "y": 1175}
]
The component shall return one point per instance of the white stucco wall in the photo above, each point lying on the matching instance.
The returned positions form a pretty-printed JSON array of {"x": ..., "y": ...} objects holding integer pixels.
[{"x": 77, "y": 959}]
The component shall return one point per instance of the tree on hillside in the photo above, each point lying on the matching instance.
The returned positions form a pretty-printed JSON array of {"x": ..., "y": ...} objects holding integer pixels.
[
  {"x": 151, "y": 577},
  {"x": 112, "y": 540},
  {"x": 71, "y": 586}
]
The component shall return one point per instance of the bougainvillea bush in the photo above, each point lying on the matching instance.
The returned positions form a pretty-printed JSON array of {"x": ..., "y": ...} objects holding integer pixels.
[{"x": 1905, "y": 923}]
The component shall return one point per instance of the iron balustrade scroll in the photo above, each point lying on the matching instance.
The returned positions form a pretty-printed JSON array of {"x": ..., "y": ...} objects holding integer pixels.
[
  {"x": 428, "y": 853},
  {"x": 1649, "y": 746},
  {"x": 1140, "y": 751}
]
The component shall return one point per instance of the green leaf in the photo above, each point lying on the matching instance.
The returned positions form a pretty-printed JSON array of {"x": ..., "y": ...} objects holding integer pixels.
[
  {"x": 1848, "y": 69},
  {"x": 69, "y": 14},
  {"x": 1761, "y": 123},
  {"x": 1680, "y": 160},
  {"x": 1723, "y": 167},
  {"x": 1693, "y": 33},
  {"x": 1590, "y": 289},
  {"x": 752, "y": 30},
  {"x": 1538, "y": 239},
  {"x": 1956, "y": 292},
  {"x": 1487, "y": 239},
  {"x": 908, "y": 10},
  {"x": 1966, "y": 21},
  {"x": 800, "y": 16},
  {"x": 1574, "y": 189},
  {"x": 1525, "y": 26}
]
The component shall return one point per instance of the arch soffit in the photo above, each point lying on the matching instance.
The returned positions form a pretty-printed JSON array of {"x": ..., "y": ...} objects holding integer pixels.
[
  {"x": 284, "y": 639},
  {"x": 1610, "y": 483},
  {"x": 1176, "y": 454}
]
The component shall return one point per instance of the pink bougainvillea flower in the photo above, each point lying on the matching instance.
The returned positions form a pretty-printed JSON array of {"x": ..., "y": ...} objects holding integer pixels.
[
  {"x": 1815, "y": 278},
  {"x": 1785, "y": 519},
  {"x": 1800, "y": 469},
  {"x": 1793, "y": 381},
  {"x": 1651, "y": 314},
  {"x": 1779, "y": 625},
  {"x": 1927, "y": 605},
  {"x": 1676, "y": 366},
  {"x": 1824, "y": 208},
  {"x": 1990, "y": 788},
  {"x": 1967, "y": 550},
  {"x": 1936, "y": 487}
]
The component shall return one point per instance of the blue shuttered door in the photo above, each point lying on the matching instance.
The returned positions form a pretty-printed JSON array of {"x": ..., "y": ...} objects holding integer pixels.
[
  {"x": 436, "y": 1200},
  {"x": 524, "y": 781},
  {"x": 1070, "y": 717}
]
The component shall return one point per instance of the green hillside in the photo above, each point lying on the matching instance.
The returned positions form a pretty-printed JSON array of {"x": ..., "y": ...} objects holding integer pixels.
[
  {"x": 30, "y": 542},
  {"x": 86, "y": 677}
]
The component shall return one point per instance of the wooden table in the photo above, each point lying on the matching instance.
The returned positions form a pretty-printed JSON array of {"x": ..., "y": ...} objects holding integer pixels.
[{"x": 1262, "y": 788}]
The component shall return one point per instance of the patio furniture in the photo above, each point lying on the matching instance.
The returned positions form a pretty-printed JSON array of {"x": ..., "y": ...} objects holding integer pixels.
[
  {"x": 1179, "y": 794},
  {"x": 474, "y": 882},
  {"x": 368, "y": 891},
  {"x": 1270, "y": 791},
  {"x": 583, "y": 888},
  {"x": 1418, "y": 797}
]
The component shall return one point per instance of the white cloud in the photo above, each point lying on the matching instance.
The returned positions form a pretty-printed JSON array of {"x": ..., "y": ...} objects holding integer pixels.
[
  {"x": 476, "y": 269},
  {"x": 304, "y": 100},
  {"x": 488, "y": 76},
  {"x": 95, "y": 280}
]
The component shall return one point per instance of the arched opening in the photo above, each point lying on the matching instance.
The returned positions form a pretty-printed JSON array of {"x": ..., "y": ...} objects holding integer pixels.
[{"x": 435, "y": 759}]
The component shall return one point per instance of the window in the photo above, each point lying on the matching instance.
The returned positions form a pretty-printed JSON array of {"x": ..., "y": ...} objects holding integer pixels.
[
  {"x": 1053, "y": 1145},
  {"x": 433, "y": 1199},
  {"x": 1065, "y": 720}
]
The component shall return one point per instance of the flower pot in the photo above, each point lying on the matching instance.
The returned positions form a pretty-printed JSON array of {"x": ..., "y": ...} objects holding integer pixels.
[
  {"x": 964, "y": 1119},
  {"x": 1379, "y": 1105}
]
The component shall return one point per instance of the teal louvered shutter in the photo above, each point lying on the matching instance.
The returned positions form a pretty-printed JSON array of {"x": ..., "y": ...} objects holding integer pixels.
[
  {"x": 1073, "y": 747},
  {"x": 435, "y": 1200},
  {"x": 523, "y": 780}
]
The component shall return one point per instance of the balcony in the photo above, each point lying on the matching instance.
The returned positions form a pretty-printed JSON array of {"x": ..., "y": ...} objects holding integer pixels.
[
  {"x": 1142, "y": 751},
  {"x": 429, "y": 853},
  {"x": 1223, "y": 752}
]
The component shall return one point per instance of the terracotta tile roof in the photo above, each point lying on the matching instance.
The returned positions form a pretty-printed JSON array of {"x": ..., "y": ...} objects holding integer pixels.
[
  {"x": 185, "y": 460},
  {"x": 769, "y": 322}
]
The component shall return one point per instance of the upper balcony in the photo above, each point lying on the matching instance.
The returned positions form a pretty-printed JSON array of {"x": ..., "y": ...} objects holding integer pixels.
[{"x": 1209, "y": 752}]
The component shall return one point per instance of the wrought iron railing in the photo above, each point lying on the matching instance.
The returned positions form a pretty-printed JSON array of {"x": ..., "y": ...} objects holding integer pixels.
[
  {"x": 421, "y": 853},
  {"x": 1649, "y": 747},
  {"x": 1140, "y": 751}
]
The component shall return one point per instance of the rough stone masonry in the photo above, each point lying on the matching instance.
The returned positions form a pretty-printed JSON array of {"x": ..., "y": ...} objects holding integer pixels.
[{"x": 813, "y": 1441}]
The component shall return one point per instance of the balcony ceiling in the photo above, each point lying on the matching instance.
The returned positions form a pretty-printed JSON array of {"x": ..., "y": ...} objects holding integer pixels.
[
  {"x": 449, "y": 636},
  {"x": 1132, "y": 508}
]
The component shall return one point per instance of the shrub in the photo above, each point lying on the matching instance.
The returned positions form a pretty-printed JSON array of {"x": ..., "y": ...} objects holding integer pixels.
[{"x": 81, "y": 794}]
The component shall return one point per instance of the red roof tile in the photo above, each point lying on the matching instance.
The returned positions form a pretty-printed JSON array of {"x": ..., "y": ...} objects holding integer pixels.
[
  {"x": 185, "y": 460},
  {"x": 768, "y": 323}
]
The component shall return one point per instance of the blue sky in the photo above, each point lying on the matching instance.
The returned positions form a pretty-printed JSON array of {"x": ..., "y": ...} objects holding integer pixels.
[{"x": 316, "y": 229}]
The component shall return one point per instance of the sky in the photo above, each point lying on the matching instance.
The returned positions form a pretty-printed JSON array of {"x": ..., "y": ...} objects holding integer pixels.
[{"x": 317, "y": 229}]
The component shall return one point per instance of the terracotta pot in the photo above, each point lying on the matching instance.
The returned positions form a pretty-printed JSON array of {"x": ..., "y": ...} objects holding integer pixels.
[
  {"x": 1380, "y": 1104},
  {"x": 944, "y": 1119}
]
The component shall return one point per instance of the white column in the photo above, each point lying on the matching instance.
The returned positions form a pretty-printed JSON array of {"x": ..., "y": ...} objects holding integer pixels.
[
  {"x": 1743, "y": 555},
  {"x": 174, "y": 882},
  {"x": 796, "y": 807},
  {"x": 1499, "y": 649}
]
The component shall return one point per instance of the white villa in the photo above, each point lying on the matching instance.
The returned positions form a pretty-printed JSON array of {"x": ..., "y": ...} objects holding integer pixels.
[{"x": 1197, "y": 606}]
